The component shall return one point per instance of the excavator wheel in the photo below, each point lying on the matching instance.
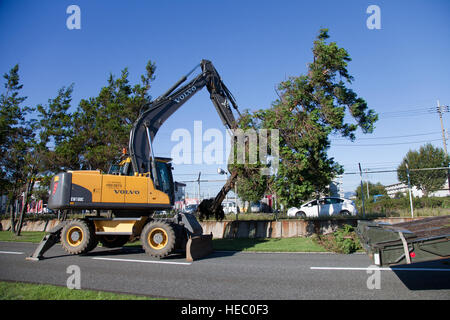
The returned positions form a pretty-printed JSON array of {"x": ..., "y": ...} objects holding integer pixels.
[
  {"x": 158, "y": 238},
  {"x": 113, "y": 241},
  {"x": 94, "y": 240},
  {"x": 78, "y": 237}
]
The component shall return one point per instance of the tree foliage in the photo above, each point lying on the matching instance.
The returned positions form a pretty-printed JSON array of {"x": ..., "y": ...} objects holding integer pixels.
[
  {"x": 309, "y": 109},
  {"x": 101, "y": 125},
  {"x": 251, "y": 185},
  {"x": 55, "y": 131},
  {"x": 374, "y": 189},
  {"x": 16, "y": 135},
  {"x": 59, "y": 139},
  {"x": 427, "y": 156}
]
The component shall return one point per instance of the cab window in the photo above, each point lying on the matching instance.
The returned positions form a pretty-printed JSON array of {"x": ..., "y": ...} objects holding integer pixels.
[{"x": 164, "y": 177}]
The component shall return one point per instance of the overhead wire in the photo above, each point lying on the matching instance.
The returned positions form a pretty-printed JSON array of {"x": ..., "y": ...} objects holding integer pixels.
[{"x": 385, "y": 144}]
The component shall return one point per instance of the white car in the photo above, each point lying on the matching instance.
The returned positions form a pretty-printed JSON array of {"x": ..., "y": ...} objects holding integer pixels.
[
  {"x": 327, "y": 206},
  {"x": 229, "y": 207}
]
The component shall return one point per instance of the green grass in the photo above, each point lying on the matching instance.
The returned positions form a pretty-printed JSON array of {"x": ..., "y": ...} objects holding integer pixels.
[
  {"x": 261, "y": 244},
  {"x": 419, "y": 212},
  {"x": 25, "y": 236},
  {"x": 26, "y": 291},
  {"x": 251, "y": 244},
  {"x": 268, "y": 245}
]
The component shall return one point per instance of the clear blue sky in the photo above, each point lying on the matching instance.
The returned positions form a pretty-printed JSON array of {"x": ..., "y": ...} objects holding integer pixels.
[{"x": 400, "y": 70}]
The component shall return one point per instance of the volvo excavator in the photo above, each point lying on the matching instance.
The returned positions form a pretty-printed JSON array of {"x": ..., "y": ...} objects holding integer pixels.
[{"x": 139, "y": 185}]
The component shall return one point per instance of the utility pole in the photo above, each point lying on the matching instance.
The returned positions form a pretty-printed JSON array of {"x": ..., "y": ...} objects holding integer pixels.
[
  {"x": 367, "y": 180},
  {"x": 198, "y": 180},
  {"x": 409, "y": 188},
  {"x": 362, "y": 190},
  {"x": 440, "y": 110}
]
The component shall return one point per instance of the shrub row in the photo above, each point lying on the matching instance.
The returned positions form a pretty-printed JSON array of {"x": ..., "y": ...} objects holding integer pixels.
[{"x": 387, "y": 205}]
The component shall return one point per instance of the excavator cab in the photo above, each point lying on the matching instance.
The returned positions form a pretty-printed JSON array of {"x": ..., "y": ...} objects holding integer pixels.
[
  {"x": 164, "y": 180},
  {"x": 123, "y": 168},
  {"x": 164, "y": 177}
]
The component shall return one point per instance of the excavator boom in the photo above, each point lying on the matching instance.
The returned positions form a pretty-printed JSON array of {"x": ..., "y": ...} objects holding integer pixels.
[{"x": 149, "y": 122}]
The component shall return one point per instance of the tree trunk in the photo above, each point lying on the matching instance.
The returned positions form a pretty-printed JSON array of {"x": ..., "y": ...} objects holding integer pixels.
[
  {"x": 27, "y": 193},
  {"x": 13, "y": 220}
]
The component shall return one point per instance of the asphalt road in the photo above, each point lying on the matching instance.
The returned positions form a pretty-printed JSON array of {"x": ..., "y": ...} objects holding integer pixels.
[{"x": 229, "y": 275}]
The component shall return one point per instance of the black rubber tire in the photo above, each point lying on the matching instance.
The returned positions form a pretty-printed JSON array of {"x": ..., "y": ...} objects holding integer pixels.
[
  {"x": 113, "y": 241},
  {"x": 345, "y": 213},
  {"x": 78, "y": 237},
  {"x": 94, "y": 240},
  {"x": 158, "y": 238},
  {"x": 300, "y": 214}
]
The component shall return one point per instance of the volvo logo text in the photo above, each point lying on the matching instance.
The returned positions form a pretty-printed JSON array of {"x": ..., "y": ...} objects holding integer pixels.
[
  {"x": 126, "y": 191},
  {"x": 185, "y": 94}
]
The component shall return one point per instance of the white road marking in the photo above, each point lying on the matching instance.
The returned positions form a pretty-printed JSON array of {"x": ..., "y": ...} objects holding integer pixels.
[
  {"x": 143, "y": 261},
  {"x": 11, "y": 252},
  {"x": 379, "y": 269}
]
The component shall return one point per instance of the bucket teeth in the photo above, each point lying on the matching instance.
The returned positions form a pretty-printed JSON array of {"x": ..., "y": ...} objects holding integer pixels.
[{"x": 198, "y": 247}]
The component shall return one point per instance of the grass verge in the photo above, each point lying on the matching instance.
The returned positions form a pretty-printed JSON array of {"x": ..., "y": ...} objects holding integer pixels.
[
  {"x": 27, "y": 291},
  {"x": 247, "y": 244},
  {"x": 25, "y": 236},
  {"x": 268, "y": 245}
]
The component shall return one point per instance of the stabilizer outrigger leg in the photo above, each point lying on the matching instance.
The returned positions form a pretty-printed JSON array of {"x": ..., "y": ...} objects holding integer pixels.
[{"x": 49, "y": 240}]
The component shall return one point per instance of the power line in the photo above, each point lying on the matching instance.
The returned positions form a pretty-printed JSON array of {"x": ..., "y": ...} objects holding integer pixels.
[
  {"x": 384, "y": 171},
  {"x": 392, "y": 137},
  {"x": 383, "y": 144},
  {"x": 194, "y": 174},
  {"x": 202, "y": 181},
  {"x": 407, "y": 112}
]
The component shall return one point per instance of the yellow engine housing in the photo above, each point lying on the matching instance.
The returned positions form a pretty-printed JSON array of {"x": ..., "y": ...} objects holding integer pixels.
[{"x": 93, "y": 190}]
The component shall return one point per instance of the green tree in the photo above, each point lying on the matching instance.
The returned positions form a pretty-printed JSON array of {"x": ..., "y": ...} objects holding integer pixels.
[
  {"x": 17, "y": 137},
  {"x": 52, "y": 148},
  {"x": 55, "y": 131},
  {"x": 12, "y": 127},
  {"x": 427, "y": 156},
  {"x": 310, "y": 108},
  {"x": 251, "y": 185},
  {"x": 374, "y": 189},
  {"x": 101, "y": 125}
]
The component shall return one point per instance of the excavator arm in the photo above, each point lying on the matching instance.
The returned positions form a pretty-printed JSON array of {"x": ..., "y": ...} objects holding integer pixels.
[{"x": 159, "y": 110}]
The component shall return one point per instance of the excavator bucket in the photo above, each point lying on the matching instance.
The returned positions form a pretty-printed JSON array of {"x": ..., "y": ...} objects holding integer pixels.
[{"x": 198, "y": 247}]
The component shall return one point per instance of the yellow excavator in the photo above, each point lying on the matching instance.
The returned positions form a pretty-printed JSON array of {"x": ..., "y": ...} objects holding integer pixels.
[{"x": 139, "y": 185}]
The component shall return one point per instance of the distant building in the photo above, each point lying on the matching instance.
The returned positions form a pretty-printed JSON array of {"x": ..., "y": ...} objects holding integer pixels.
[
  {"x": 393, "y": 189},
  {"x": 335, "y": 188},
  {"x": 179, "y": 195},
  {"x": 179, "y": 191}
]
